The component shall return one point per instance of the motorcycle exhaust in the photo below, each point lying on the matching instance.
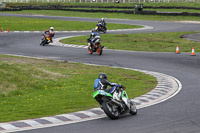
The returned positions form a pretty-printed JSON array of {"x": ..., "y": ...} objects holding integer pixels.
[{"x": 116, "y": 102}]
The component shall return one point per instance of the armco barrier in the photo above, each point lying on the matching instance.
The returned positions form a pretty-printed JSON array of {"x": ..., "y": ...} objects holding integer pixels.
[
  {"x": 169, "y": 13},
  {"x": 117, "y": 7},
  {"x": 8, "y": 9}
]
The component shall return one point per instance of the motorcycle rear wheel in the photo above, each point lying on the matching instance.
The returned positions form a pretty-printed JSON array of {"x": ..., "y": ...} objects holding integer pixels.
[
  {"x": 110, "y": 110},
  {"x": 99, "y": 50}
]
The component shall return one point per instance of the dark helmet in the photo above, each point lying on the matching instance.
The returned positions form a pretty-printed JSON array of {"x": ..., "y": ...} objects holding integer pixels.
[{"x": 102, "y": 76}]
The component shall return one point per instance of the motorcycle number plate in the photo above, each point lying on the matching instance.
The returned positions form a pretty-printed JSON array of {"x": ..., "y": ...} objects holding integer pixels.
[
  {"x": 96, "y": 27},
  {"x": 48, "y": 38}
]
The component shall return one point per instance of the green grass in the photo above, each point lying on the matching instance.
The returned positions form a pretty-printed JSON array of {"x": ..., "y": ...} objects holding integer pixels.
[
  {"x": 36, "y": 24},
  {"x": 145, "y": 9},
  {"x": 156, "y": 42},
  {"x": 108, "y": 15},
  {"x": 32, "y": 88}
]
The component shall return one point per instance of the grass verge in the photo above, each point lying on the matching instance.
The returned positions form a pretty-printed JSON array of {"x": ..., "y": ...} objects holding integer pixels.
[
  {"x": 36, "y": 24},
  {"x": 156, "y": 42},
  {"x": 32, "y": 88}
]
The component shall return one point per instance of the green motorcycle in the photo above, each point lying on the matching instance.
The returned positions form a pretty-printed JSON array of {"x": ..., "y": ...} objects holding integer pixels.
[{"x": 115, "y": 104}]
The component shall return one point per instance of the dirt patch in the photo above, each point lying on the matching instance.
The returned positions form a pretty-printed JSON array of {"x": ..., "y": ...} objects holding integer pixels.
[
  {"x": 54, "y": 73},
  {"x": 130, "y": 76},
  {"x": 7, "y": 88},
  {"x": 22, "y": 60}
]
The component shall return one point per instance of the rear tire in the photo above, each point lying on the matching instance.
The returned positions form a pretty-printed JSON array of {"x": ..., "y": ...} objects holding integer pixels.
[
  {"x": 133, "y": 109},
  {"x": 110, "y": 111},
  {"x": 99, "y": 50}
]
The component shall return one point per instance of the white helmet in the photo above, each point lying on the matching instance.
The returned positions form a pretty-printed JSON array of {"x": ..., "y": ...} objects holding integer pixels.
[
  {"x": 51, "y": 28},
  {"x": 102, "y": 19}
]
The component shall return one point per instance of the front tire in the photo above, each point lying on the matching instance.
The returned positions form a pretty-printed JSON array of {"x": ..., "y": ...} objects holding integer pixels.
[
  {"x": 90, "y": 49},
  {"x": 43, "y": 41},
  {"x": 133, "y": 109},
  {"x": 110, "y": 110},
  {"x": 98, "y": 30},
  {"x": 105, "y": 29}
]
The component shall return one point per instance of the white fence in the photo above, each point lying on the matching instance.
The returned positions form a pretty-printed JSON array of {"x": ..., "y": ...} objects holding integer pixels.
[{"x": 131, "y": 1}]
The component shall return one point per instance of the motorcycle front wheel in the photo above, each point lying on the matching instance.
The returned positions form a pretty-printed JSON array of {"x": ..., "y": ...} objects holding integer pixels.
[
  {"x": 104, "y": 30},
  {"x": 110, "y": 110},
  {"x": 42, "y": 43},
  {"x": 90, "y": 50},
  {"x": 133, "y": 109}
]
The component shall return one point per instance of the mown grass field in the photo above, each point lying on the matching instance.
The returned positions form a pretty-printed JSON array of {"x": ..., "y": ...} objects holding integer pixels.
[
  {"x": 32, "y": 88},
  {"x": 145, "y": 9},
  {"x": 108, "y": 15},
  {"x": 36, "y": 24},
  {"x": 156, "y": 42}
]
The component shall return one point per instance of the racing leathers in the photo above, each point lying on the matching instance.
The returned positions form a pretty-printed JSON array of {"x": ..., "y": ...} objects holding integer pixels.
[
  {"x": 51, "y": 34},
  {"x": 102, "y": 23},
  {"x": 101, "y": 84},
  {"x": 94, "y": 36}
]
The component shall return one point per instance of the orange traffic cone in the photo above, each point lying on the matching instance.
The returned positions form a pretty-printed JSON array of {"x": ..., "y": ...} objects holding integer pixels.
[
  {"x": 177, "y": 50},
  {"x": 8, "y": 29},
  {"x": 1, "y": 29},
  {"x": 193, "y": 53}
]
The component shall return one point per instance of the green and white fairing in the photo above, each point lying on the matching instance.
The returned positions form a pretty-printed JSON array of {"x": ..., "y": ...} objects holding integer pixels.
[
  {"x": 101, "y": 92},
  {"x": 115, "y": 104}
]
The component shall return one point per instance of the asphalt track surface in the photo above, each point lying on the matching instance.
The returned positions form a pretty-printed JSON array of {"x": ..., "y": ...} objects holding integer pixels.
[{"x": 179, "y": 114}]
